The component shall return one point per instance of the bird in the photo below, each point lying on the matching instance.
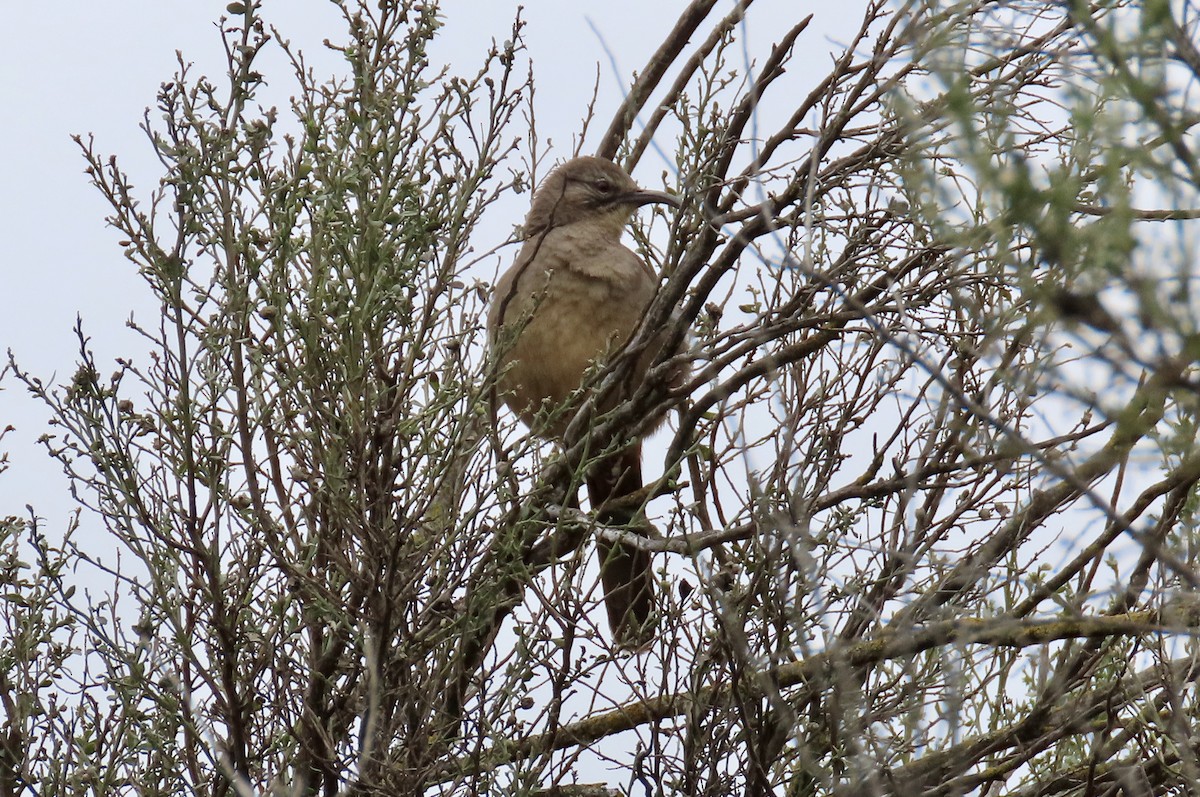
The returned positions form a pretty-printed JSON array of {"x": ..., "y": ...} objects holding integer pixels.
[{"x": 573, "y": 297}]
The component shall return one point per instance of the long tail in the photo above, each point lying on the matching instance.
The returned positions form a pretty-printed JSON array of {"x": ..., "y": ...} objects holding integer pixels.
[{"x": 625, "y": 570}]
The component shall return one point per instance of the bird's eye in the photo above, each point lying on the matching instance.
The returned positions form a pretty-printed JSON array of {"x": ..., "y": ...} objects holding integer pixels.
[{"x": 603, "y": 186}]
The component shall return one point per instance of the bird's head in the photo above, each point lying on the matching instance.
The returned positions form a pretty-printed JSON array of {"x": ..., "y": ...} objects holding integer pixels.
[{"x": 589, "y": 189}]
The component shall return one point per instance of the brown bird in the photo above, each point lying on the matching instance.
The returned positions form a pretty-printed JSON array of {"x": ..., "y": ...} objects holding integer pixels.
[{"x": 573, "y": 297}]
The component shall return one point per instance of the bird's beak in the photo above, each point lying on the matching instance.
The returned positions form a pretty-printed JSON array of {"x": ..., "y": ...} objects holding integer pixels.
[{"x": 643, "y": 197}]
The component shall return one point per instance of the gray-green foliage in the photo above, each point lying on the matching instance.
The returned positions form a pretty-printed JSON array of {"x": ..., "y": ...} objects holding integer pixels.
[
  {"x": 295, "y": 470},
  {"x": 927, "y": 495}
]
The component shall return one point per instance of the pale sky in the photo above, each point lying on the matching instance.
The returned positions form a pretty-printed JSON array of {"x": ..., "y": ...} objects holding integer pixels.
[
  {"x": 78, "y": 66},
  {"x": 83, "y": 67}
]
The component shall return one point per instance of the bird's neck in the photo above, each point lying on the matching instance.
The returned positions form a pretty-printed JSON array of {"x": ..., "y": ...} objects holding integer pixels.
[
  {"x": 604, "y": 227},
  {"x": 610, "y": 225}
]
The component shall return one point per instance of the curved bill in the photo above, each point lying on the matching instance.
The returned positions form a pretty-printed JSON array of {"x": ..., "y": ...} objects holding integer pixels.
[{"x": 644, "y": 197}]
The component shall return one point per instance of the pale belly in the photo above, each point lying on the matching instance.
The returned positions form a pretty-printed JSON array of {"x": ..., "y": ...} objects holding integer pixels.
[{"x": 568, "y": 332}]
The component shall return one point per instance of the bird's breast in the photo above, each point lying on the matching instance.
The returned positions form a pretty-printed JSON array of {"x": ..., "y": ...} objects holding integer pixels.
[{"x": 573, "y": 314}]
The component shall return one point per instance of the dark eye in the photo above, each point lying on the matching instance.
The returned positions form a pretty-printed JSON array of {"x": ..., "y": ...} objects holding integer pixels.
[{"x": 603, "y": 186}]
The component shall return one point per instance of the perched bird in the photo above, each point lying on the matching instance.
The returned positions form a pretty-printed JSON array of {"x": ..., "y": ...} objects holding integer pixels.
[{"x": 573, "y": 297}]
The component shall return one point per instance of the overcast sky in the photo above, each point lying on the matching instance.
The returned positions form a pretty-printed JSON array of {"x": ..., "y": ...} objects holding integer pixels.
[{"x": 93, "y": 68}]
